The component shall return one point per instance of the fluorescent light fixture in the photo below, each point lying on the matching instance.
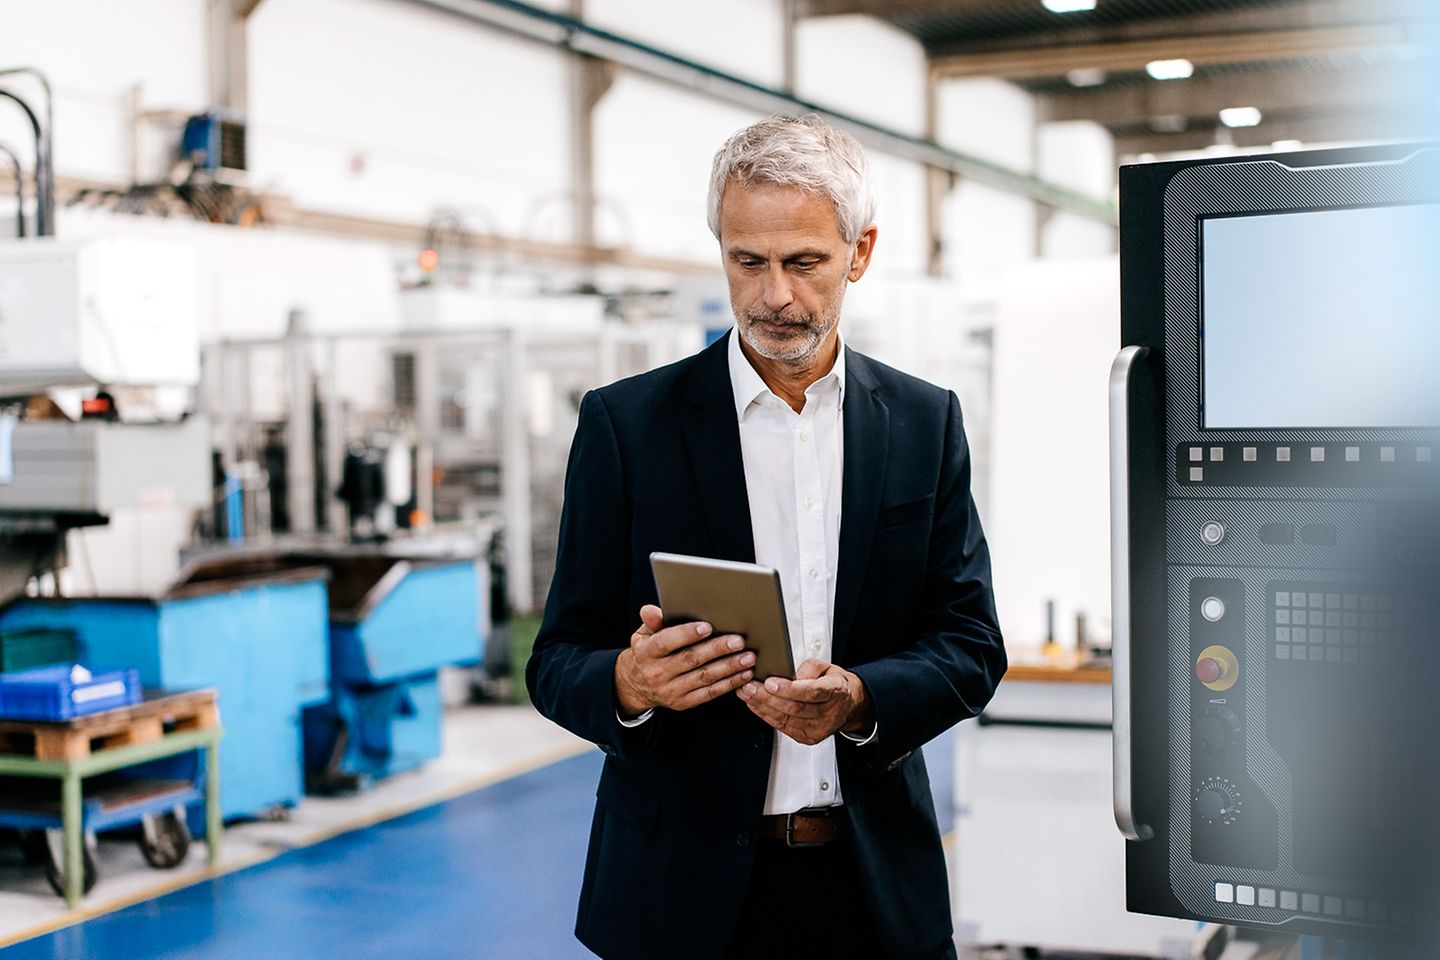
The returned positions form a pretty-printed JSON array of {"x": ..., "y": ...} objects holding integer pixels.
[
  {"x": 1170, "y": 69},
  {"x": 1241, "y": 117},
  {"x": 1286, "y": 145},
  {"x": 1068, "y": 6},
  {"x": 1086, "y": 77}
]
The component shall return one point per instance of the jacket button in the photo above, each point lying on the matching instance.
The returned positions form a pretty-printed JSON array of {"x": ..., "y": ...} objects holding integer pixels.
[
  {"x": 742, "y": 838},
  {"x": 760, "y": 742}
]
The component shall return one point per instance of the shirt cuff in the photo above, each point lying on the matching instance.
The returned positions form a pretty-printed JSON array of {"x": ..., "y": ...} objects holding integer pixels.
[
  {"x": 636, "y": 721},
  {"x": 857, "y": 739}
]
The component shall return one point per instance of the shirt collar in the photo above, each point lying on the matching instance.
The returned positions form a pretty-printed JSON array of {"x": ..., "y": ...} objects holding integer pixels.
[{"x": 749, "y": 387}]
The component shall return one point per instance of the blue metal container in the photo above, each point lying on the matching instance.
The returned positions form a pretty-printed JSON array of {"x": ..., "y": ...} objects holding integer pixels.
[
  {"x": 393, "y": 623},
  {"x": 62, "y": 692},
  {"x": 261, "y": 640},
  {"x": 368, "y": 733}
]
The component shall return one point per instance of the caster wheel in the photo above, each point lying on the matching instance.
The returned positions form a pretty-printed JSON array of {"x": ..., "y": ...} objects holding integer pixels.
[
  {"x": 55, "y": 860},
  {"x": 33, "y": 846},
  {"x": 165, "y": 839}
]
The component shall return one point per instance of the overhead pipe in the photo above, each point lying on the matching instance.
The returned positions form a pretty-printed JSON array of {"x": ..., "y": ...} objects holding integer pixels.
[
  {"x": 19, "y": 190},
  {"x": 44, "y": 149},
  {"x": 577, "y": 36}
]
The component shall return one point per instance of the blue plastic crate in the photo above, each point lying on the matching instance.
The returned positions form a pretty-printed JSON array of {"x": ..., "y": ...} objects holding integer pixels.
[{"x": 59, "y": 693}]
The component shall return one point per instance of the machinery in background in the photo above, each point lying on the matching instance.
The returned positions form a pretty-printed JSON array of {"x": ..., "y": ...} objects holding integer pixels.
[
  {"x": 104, "y": 327},
  {"x": 480, "y": 392},
  {"x": 1274, "y": 538}
]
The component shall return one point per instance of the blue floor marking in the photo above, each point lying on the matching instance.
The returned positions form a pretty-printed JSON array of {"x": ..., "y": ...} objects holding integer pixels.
[
  {"x": 495, "y": 873},
  {"x": 491, "y": 874}
]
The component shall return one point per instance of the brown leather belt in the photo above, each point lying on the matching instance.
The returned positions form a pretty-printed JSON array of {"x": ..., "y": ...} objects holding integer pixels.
[{"x": 806, "y": 828}]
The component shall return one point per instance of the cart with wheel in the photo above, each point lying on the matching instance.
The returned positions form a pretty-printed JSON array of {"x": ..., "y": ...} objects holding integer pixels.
[{"x": 95, "y": 758}]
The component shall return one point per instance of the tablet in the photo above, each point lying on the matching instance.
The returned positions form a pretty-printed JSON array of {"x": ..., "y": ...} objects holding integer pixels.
[{"x": 740, "y": 598}]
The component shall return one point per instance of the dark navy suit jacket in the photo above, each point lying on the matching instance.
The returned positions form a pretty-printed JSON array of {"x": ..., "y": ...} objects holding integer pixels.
[{"x": 656, "y": 465}]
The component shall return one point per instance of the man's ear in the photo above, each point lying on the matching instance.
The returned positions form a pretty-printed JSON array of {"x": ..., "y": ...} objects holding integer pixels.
[{"x": 860, "y": 255}]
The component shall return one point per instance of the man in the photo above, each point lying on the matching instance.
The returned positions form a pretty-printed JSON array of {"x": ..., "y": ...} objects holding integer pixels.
[{"x": 791, "y": 818}]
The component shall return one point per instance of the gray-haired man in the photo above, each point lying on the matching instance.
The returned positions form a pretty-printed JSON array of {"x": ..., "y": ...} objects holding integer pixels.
[{"x": 791, "y": 818}]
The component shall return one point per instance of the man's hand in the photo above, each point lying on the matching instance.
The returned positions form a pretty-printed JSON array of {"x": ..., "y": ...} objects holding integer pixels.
[
  {"x": 676, "y": 667},
  {"x": 821, "y": 700}
]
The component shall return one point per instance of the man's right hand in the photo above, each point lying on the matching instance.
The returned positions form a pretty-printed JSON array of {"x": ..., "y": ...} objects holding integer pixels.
[{"x": 677, "y": 667}]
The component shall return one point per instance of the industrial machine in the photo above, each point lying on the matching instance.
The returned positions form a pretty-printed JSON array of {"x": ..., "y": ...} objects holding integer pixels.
[
  {"x": 1273, "y": 466},
  {"x": 82, "y": 323}
]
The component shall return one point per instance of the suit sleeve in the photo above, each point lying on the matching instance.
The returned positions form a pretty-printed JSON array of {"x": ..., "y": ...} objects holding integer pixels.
[
  {"x": 950, "y": 672},
  {"x": 571, "y": 672}
]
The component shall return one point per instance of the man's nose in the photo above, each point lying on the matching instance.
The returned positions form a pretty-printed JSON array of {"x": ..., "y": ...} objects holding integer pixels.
[{"x": 778, "y": 292}]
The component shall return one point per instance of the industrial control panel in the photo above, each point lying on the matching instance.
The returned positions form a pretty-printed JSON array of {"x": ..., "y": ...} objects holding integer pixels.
[{"x": 1274, "y": 456}]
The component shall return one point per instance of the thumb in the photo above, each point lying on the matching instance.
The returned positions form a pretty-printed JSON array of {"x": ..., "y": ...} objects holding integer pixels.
[
  {"x": 811, "y": 669},
  {"x": 652, "y": 620}
]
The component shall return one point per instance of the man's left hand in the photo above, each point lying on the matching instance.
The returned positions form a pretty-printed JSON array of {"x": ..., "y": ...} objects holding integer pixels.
[{"x": 821, "y": 700}]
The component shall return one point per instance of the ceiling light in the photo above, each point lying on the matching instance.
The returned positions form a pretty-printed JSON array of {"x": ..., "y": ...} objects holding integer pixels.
[
  {"x": 1286, "y": 145},
  {"x": 1068, "y": 6},
  {"x": 1241, "y": 117},
  {"x": 1170, "y": 69},
  {"x": 1168, "y": 123},
  {"x": 1086, "y": 77}
]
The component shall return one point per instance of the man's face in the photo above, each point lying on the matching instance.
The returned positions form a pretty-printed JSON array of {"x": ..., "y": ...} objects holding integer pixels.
[{"x": 787, "y": 265}]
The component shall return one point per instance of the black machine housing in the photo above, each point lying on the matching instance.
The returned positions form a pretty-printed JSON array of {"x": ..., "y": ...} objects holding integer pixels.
[{"x": 1272, "y": 557}]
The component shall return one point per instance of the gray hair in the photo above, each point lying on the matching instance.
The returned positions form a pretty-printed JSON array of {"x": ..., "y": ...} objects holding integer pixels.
[{"x": 805, "y": 152}]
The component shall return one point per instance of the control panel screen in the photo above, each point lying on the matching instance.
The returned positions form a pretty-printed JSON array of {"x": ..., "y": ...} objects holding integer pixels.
[{"x": 1321, "y": 319}]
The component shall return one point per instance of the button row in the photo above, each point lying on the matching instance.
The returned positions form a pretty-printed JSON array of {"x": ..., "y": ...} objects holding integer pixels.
[
  {"x": 1316, "y": 635},
  {"x": 1332, "y": 654},
  {"x": 1351, "y": 908},
  {"x": 1423, "y": 454},
  {"x": 1335, "y": 601}
]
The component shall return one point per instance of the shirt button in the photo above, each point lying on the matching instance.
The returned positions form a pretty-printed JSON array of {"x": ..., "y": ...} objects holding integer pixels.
[
  {"x": 809, "y": 503},
  {"x": 814, "y": 574},
  {"x": 742, "y": 838},
  {"x": 804, "y": 435},
  {"x": 825, "y": 786}
]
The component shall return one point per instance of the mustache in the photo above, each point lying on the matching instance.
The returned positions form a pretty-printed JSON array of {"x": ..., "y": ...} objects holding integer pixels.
[{"x": 761, "y": 315}]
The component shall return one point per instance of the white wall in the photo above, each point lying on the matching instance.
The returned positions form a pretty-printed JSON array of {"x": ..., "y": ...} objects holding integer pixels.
[
  {"x": 653, "y": 149},
  {"x": 1057, "y": 327},
  {"x": 386, "y": 109},
  {"x": 93, "y": 54},
  {"x": 987, "y": 230},
  {"x": 741, "y": 37},
  {"x": 1079, "y": 155},
  {"x": 863, "y": 67}
]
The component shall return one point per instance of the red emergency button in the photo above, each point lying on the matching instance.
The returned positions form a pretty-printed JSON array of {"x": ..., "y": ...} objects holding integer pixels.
[{"x": 1209, "y": 670}]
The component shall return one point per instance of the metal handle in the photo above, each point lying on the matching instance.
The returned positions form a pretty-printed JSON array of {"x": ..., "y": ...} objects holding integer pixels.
[{"x": 1125, "y": 362}]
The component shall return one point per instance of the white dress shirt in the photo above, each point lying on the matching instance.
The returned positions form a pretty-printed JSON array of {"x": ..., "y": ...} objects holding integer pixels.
[{"x": 794, "y": 470}]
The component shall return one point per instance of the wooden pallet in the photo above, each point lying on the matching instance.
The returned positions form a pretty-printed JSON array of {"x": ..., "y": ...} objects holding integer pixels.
[{"x": 145, "y": 722}]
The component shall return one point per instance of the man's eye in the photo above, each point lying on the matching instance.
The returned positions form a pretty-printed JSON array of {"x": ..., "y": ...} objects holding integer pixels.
[
  {"x": 751, "y": 264},
  {"x": 804, "y": 264}
]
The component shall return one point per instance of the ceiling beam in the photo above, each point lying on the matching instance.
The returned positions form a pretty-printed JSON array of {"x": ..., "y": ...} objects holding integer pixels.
[
  {"x": 1212, "y": 49},
  {"x": 1313, "y": 130},
  {"x": 1281, "y": 90}
]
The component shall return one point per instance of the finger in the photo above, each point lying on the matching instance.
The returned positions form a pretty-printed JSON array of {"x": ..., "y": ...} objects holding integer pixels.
[
  {"x": 714, "y": 671},
  {"x": 717, "y": 689},
  {"x": 775, "y": 705},
  {"x": 811, "y": 669},
  {"x": 670, "y": 639},
  {"x": 652, "y": 620},
  {"x": 697, "y": 655},
  {"x": 806, "y": 691}
]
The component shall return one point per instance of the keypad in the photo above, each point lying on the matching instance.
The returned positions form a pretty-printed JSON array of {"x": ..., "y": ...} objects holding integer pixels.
[{"x": 1337, "y": 625}]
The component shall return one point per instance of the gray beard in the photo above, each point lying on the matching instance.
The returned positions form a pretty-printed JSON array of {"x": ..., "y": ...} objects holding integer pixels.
[{"x": 809, "y": 336}]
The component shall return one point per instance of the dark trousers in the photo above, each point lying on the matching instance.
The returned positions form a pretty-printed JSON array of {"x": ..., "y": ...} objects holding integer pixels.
[{"x": 806, "y": 902}]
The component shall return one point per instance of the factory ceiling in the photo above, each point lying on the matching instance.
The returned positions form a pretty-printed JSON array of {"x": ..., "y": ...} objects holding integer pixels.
[{"x": 1318, "y": 71}]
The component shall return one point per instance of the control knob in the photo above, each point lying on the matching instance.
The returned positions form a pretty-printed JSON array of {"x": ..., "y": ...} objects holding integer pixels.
[
  {"x": 1216, "y": 730},
  {"x": 1217, "y": 800}
]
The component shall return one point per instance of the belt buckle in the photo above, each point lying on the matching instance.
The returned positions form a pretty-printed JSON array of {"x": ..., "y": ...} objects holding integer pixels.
[{"x": 790, "y": 833}]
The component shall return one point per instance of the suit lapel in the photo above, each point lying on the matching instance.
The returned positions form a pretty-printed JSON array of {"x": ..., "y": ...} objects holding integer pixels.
[
  {"x": 867, "y": 422},
  {"x": 712, "y": 438}
]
